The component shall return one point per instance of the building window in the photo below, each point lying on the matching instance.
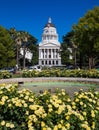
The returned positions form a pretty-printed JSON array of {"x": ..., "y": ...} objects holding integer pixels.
[
  {"x": 49, "y": 56},
  {"x": 53, "y": 62},
  {"x": 49, "y": 50},
  {"x": 46, "y": 62},
  {"x": 49, "y": 62},
  {"x": 42, "y": 62},
  {"x": 57, "y": 62}
]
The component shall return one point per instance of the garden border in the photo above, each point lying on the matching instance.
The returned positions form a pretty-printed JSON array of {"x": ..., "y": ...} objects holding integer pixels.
[{"x": 48, "y": 79}]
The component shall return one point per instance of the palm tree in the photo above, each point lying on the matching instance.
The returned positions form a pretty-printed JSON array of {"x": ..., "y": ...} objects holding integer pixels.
[
  {"x": 16, "y": 36},
  {"x": 24, "y": 40}
]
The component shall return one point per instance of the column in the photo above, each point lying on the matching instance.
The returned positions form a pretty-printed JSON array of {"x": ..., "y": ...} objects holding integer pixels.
[
  {"x": 55, "y": 53},
  {"x": 41, "y": 53},
  {"x": 52, "y": 53},
  {"x": 48, "y": 54}
]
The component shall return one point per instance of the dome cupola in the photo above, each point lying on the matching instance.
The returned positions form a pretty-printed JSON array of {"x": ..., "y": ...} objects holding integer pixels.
[
  {"x": 49, "y": 24},
  {"x": 50, "y": 32}
]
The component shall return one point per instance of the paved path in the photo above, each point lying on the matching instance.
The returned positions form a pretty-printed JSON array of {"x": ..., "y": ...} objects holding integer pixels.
[{"x": 43, "y": 79}]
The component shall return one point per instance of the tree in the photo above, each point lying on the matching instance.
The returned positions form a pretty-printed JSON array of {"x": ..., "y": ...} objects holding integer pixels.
[
  {"x": 87, "y": 35},
  {"x": 16, "y": 37},
  {"x": 25, "y": 41},
  {"x": 7, "y": 54},
  {"x": 66, "y": 48}
]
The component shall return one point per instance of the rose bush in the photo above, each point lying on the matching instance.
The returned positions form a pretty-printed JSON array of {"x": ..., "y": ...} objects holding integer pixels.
[
  {"x": 25, "y": 110},
  {"x": 62, "y": 73},
  {"x": 5, "y": 74}
]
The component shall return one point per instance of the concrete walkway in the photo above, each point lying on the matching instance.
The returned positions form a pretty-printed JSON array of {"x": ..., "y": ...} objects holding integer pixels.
[{"x": 45, "y": 79}]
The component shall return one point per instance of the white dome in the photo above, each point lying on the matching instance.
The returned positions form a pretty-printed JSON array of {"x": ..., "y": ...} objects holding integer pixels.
[{"x": 49, "y": 32}]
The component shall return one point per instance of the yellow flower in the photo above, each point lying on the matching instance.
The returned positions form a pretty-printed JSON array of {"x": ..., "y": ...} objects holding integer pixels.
[
  {"x": 31, "y": 100},
  {"x": 7, "y": 124},
  {"x": 84, "y": 105},
  {"x": 59, "y": 126},
  {"x": 68, "y": 107},
  {"x": 27, "y": 113},
  {"x": 74, "y": 107},
  {"x": 1, "y": 103},
  {"x": 11, "y": 125},
  {"x": 67, "y": 125},
  {"x": 92, "y": 113},
  {"x": 55, "y": 127},
  {"x": 63, "y": 93},
  {"x": 9, "y": 105},
  {"x": 50, "y": 106},
  {"x": 42, "y": 124},
  {"x": 88, "y": 128},
  {"x": 68, "y": 100},
  {"x": 76, "y": 93},
  {"x": 81, "y": 117},
  {"x": 67, "y": 117},
  {"x": 73, "y": 103},
  {"x": 29, "y": 123},
  {"x": 90, "y": 100},
  {"x": 25, "y": 105},
  {"x": 26, "y": 97},
  {"x": 77, "y": 100},
  {"x": 48, "y": 128},
  {"x": 33, "y": 107},
  {"x": 44, "y": 128},
  {"x": 84, "y": 113},
  {"x": 93, "y": 125},
  {"x": 81, "y": 103},
  {"x": 50, "y": 109},
  {"x": 3, "y": 123}
]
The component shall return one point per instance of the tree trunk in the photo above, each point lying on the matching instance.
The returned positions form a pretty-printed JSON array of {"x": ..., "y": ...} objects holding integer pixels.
[
  {"x": 24, "y": 52},
  {"x": 91, "y": 62},
  {"x": 17, "y": 59}
]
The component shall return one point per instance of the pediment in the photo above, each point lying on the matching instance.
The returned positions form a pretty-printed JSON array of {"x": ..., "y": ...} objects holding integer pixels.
[{"x": 50, "y": 44}]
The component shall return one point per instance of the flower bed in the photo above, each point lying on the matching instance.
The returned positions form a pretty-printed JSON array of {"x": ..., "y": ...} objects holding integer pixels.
[
  {"x": 5, "y": 74},
  {"x": 62, "y": 73},
  {"x": 25, "y": 110}
]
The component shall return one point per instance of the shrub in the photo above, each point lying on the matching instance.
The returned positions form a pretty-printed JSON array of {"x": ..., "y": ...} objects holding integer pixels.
[
  {"x": 62, "y": 73},
  {"x": 25, "y": 110},
  {"x": 5, "y": 74}
]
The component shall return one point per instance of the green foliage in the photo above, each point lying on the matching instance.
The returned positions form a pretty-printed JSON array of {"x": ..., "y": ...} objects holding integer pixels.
[
  {"x": 7, "y": 54},
  {"x": 86, "y": 35},
  {"x": 65, "y": 52},
  {"x": 23, "y": 39}
]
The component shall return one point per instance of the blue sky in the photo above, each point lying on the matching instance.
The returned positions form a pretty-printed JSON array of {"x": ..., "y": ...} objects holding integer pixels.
[{"x": 32, "y": 15}]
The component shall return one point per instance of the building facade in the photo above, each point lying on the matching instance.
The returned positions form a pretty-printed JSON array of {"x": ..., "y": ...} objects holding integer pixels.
[{"x": 49, "y": 47}]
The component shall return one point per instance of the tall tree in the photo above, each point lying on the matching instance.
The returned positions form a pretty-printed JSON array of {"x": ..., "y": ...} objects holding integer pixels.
[
  {"x": 66, "y": 48},
  {"x": 25, "y": 41},
  {"x": 87, "y": 35},
  {"x": 7, "y": 55}
]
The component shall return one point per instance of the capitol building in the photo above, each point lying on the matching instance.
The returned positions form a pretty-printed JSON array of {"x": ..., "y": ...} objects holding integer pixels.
[{"x": 49, "y": 47}]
